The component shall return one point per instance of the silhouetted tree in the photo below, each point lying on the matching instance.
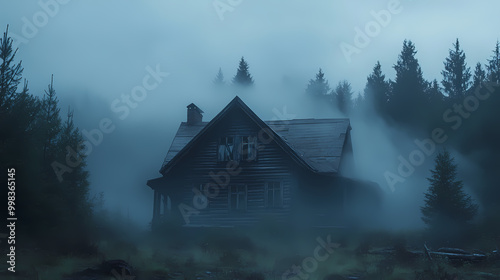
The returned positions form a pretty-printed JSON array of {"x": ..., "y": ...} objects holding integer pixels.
[
  {"x": 318, "y": 86},
  {"x": 243, "y": 77},
  {"x": 435, "y": 106},
  {"x": 493, "y": 65},
  {"x": 358, "y": 102},
  {"x": 10, "y": 77},
  {"x": 456, "y": 74},
  {"x": 407, "y": 99},
  {"x": 377, "y": 90},
  {"x": 10, "y": 72},
  {"x": 479, "y": 77},
  {"x": 343, "y": 97},
  {"x": 446, "y": 204},
  {"x": 434, "y": 93},
  {"x": 31, "y": 139},
  {"x": 219, "y": 79},
  {"x": 75, "y": 186},
  {"x": 51, "y": 122}
]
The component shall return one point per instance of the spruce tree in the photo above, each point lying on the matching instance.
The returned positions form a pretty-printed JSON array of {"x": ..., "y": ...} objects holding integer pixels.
[
  {"x": 10, "y": 73},
  {"x": 51, "y": 122},
  {"x": 318, "y": 86},
  {"x": 343, "y": 97},
  {"x": 75, "y": 186},
  {"x": 358, "y": 102},
  {"x": 456, "y": 74},
  {"x": 377, "y": 90},
  {"x": 407, "y": 100},
  {"x": 493, "y": 65},
  {"x": 479, "y": 76},
  {"x": 446, "y": 204},
  {"x": 243, "y": 77},
  {"x": 219, "y": 79}
]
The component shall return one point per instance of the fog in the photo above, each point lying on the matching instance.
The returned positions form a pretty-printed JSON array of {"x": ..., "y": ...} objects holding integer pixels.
[{"x": 99, "y": 51}]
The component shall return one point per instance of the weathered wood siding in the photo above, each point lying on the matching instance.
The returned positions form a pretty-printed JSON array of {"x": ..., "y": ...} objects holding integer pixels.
[{"x": 200, "y": 164}]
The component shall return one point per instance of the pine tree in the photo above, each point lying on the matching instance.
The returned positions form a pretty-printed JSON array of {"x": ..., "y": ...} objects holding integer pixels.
[
  {"x": 318, "y": 86},
  {"x": 407, "y": 99},
  {"x": 10, "y": 73},
  {"x": 358, "y": 102},
  {"x": 51, "y": 122},
  {"x": 493, "y": 66},
  {"x": 479, "y": 77},
  {"x": 343, "y": 97},
  {"x": 219, "y": 79},
  {"x": 377, "y": 90},
  {"x": 456, "y": 74},
  {"x": 446, "y": 204},
  {"x": 434, "y": 93},
  {"x": 243, "y": 77},
  {"x": 75, "y": 186}
]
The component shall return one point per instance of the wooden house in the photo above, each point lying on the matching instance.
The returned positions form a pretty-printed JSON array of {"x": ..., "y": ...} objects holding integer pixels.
[{"x": 237, "y": 170}]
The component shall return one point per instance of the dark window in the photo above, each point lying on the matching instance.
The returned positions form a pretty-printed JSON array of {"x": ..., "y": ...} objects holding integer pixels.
[
  {"x": 274, "y": 195},
  {"x": 237, "y": 148},
  {"x": 238, "y": 198},
  {"x": 226, "y": 149},
  {"x": 248, "y": 148}
]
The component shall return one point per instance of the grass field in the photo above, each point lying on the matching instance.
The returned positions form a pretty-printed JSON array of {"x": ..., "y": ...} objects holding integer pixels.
[{"x": 274, "y": 253}]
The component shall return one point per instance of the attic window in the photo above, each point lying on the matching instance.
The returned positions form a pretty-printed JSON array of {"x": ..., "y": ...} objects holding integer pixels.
[
  {"x": 226, "y": 149},
  {"x": 248, "y": 148}
]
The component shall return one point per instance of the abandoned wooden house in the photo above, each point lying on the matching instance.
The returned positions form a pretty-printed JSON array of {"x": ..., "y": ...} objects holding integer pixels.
[{"x": 238, "y": 170}]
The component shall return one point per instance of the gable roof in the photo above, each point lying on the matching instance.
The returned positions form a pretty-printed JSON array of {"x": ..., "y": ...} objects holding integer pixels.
[{"x": 315, "y": 144}]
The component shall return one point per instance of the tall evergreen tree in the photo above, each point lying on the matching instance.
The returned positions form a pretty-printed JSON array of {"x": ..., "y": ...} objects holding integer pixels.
[
  {"x": 10, "y": 72},
  {"x": 377, "y": 90},
  {"x": 456, "y": 74},
  {"x": 75, "y": 186},
  {"x": 343, "y": 97},
  {"x": 31, "y": 138},
  {"x": 435, "y": 95},
  {"x": 446, "y": 204},
  {"x": 318, "y": 86},
  {"x": 479, "y": 77},
  {"x": 219, "y": 79},
  {"x": 434, "y": 107},
  {"x": 51, "y": 122},
  {"x": 407, "y": 99},
  {"x": 243, "y": 77},
  {"x": 358, "y": 102},
  {"x": 493, "y": 65}
]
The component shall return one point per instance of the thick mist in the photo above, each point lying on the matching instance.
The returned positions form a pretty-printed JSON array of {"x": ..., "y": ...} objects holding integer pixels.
[{"x": 99, "y": 52}]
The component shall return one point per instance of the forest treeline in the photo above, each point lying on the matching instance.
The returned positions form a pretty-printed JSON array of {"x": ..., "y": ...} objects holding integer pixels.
[
  {"x": 463, "y": 103},
  {"x": 55, "y": 210}
]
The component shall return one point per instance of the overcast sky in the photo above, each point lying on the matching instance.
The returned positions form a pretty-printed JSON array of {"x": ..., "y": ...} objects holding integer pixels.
[{"x": 99, "y": 50}]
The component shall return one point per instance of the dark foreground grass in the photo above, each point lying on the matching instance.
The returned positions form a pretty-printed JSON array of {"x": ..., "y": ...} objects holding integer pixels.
[{"x": 259, "y": 253}]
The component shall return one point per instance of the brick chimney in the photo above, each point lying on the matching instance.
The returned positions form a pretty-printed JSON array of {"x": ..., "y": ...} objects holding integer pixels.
[{"x": 194, "y": 114}]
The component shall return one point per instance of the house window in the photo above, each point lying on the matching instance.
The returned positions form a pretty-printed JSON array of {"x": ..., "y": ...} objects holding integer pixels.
[
  {"x": 226, "y": 149},
  {"x": 237, "y": 148},
  {"x": 274, "y": 195},
  {"x": 248, "y": 148},
  {"x": 237, "y": 198}
]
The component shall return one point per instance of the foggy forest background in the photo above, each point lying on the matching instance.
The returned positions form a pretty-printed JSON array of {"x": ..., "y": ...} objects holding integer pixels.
[{"x": 40, "y": 139}]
